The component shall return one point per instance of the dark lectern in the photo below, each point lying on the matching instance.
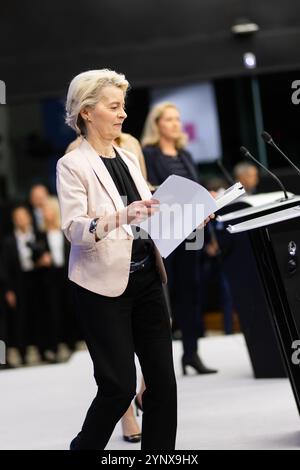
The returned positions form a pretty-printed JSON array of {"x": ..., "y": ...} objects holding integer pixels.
[
  {"x": 249, "y": 295},
  {"x": 276, "y": 243}
]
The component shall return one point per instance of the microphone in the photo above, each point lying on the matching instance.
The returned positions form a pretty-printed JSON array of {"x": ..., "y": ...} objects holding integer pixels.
[
  {"x": 245, "y": 153},
  {"x": 268, "y": 139},
  {"x": 227, "y": 175}
]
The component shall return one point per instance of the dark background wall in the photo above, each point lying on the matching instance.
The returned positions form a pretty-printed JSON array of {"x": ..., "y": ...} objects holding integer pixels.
[{"x": 155, "y": 42}]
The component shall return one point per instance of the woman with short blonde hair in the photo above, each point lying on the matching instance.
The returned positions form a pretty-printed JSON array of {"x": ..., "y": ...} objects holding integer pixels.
[
  {"x": 85, "y": 90},
  {"x": 117, "y": 275}
]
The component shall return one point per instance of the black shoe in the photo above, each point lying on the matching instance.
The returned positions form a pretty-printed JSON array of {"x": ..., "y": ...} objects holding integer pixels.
[
  {"x": 7, "y": 366},
  {"x": 133, "y": 438},
  {"x": 195, "y": 362},
  {"x": 138, "y": 406}
]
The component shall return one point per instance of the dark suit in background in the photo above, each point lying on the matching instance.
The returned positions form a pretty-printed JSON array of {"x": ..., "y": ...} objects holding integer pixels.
[
  {"x": 3, "y": 310},
  {"x": 24, "y": 285},
  {"x": 57, "y": 323}
]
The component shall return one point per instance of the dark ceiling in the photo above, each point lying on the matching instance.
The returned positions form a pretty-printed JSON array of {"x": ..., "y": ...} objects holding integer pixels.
[{"x": 154, "y": 42}]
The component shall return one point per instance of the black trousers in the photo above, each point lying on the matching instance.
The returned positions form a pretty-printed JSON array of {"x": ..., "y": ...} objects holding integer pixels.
[
  {"x": 114, "y": 329},
  {"x": 23, "y": 318},
  {"x": 184, "y": 283}
]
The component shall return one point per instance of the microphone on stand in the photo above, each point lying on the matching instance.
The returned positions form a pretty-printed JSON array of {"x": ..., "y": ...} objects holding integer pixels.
[
  {"x": 269, "y": 140},
  {"x": 245, "y": 153},
  {"x": 226, "y": 173}
]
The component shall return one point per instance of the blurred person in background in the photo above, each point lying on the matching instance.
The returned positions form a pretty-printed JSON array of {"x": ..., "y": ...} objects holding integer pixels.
[
  {"x": 65, "y": 326},
  {"x": 248, "y": 175},
  {"x": 3, "y": 318},
  {"x": 38, "y": 196},
  {"x": 130, "y": 143},
  {"x": 19, "y": 268},
  {"x": 165, "y": 154},
  {"x": 56, "y": 324},
  {"x": 213, "y": 269}
]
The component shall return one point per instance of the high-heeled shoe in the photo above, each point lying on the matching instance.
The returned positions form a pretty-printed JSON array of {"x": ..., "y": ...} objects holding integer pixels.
[
  {"x": 138, "y": 406},
  {"x": 133, "y": 438},
  {"x": 195, "y": 362}
]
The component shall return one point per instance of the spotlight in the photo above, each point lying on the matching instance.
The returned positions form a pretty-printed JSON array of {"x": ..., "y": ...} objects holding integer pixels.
[
  {"x": 249, "y": 60},
  {"x": 244, "y": 26}
]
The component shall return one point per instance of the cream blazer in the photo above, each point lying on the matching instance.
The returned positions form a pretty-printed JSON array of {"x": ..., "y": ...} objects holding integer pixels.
[{"x": 85, "y": 191}]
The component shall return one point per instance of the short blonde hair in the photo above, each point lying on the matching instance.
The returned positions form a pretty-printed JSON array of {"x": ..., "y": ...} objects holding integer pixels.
[
  {"x": 150, "y": 135},
  {"x": 85, "y": 90}
]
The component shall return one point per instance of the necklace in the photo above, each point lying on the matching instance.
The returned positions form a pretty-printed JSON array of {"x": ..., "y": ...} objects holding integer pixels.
[
  {"x": 100, "y": 153},
  {"x": 109, "y": 156}
]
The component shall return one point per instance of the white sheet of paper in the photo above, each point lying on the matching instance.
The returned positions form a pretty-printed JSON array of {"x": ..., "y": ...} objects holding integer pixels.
[{"x": 188, "y": 202}]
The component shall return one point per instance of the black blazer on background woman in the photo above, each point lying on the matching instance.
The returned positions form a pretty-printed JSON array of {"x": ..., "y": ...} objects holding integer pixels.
[{"x": 158, "y": 169}]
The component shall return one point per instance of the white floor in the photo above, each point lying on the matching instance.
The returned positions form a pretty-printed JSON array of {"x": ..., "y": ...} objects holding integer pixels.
[{"x": 43, "y": 407}]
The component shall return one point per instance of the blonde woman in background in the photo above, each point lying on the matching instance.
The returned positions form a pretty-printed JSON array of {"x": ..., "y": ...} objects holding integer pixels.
[{"x": 165, "y": 154}]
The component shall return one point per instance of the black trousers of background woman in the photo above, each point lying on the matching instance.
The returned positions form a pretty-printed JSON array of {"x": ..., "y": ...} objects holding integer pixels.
[
  {"x": 184, "y": 282},
  {"x": 114, "y": 329}
]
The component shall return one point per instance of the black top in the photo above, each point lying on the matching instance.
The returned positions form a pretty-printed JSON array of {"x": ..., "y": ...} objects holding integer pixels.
[
  {"x": 121, "y": 176},
  {"x": 177, "y": 166},
  {"x": 160, "y": 166}
]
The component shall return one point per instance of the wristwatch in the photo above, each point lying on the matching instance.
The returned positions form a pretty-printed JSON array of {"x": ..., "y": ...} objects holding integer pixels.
[{"x": 93, "y": 225}]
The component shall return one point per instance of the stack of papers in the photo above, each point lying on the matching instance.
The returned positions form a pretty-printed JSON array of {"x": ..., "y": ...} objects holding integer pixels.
[{"x": 184, "y": 205}]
